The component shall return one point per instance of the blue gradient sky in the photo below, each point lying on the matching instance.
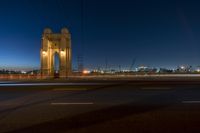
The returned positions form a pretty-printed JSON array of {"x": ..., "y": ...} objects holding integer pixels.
[{"x": 162, "y": 33}]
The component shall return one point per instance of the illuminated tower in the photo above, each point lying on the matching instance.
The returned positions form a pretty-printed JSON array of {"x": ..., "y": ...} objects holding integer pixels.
[{"x": 56, "y": 43}]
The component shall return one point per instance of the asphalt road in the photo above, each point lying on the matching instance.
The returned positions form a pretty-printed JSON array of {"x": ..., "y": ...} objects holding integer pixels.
[{"x": 127, "y": 106}]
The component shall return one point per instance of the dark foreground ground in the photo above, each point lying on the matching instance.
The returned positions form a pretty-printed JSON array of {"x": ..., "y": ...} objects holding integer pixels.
[{"x": 101, "y": 107}]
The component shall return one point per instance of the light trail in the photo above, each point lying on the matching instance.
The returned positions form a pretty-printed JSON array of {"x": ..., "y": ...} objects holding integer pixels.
[
  {"x": 52, "y": 84},
  {"x": 190, "y": 102}
]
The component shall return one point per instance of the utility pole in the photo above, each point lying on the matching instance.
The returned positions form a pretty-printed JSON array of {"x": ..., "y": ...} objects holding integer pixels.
[
  {"x": 132, "y": 64},
  {"x": 106, "y": 65}
]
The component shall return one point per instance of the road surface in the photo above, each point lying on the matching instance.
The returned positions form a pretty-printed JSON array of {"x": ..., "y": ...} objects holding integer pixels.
[{"x": 128, "y": 107}]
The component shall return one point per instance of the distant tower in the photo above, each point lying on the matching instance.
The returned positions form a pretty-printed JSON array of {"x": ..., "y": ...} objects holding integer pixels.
[{"x": 56, "y": 43}]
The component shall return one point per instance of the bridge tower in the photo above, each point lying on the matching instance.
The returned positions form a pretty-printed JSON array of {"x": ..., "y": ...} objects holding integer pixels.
[{"x": 56, "y": 43}]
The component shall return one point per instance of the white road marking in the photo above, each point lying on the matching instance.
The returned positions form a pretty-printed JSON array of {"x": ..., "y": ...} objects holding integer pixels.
[
  {"x": 190, "y": 102},
  {"x": 156, "y": 88},
  {"x": 70, "y": 89},
  {"x": 90, "y": 103}
]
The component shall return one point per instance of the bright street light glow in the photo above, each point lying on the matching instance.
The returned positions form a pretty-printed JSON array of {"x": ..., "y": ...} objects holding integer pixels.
[
  {"x": 44, "y": 53},
  {"x": 86, "y": 72},
  {"x": 182, "y": 67},
  {"x": 62, "y": 53}
]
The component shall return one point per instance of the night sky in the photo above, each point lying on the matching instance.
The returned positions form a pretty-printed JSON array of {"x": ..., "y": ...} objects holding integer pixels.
[{"x": 158, "y": 33}]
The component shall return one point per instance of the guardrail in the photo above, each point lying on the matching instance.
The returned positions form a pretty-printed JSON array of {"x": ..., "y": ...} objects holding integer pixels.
[
  {"x": 117, "y": 76},
  {"x": 19, "y": 76}
]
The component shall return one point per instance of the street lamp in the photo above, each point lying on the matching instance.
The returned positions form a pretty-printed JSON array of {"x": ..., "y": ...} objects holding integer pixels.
[
  {"x": 62, "y": 52},
  {"x": 44, "y": 53}
]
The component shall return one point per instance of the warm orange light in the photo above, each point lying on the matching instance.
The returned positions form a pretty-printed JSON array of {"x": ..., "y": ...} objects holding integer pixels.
[
  {"x": 62, "y": 53},
  {"x": 44, "y": 53},
  {"x": 86, "y": 72}
]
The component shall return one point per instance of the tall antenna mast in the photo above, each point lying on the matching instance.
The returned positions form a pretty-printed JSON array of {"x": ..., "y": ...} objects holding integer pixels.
[{"x": 80, "y": 57}]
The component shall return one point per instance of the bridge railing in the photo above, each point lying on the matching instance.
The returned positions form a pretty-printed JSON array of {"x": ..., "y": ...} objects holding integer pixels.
[{"x": 19, "y": 76}]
